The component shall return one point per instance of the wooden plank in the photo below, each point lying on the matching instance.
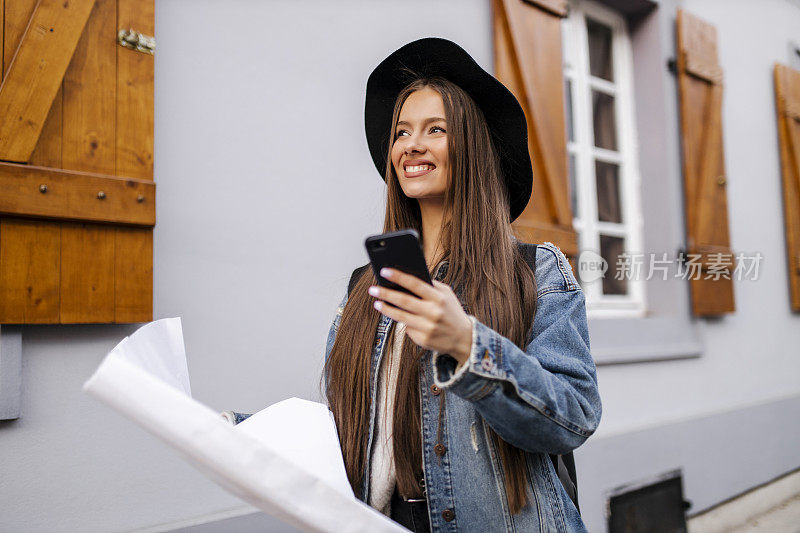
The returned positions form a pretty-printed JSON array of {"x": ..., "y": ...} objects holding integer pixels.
[
  {"x": 705, "y": 181},
  {"x": 90, "y": 96},
  {"x": 787, "y": 98},
  {"x": 87, "y": 273},
  {"x": 534, "y": 232},
  {"x": 73, "y": 195},
  {"x": 525, "y": 39},
  {"x": 135, "y": 94},
  {"x": 35, "y": 74},
  {"x": 17, "y": 15},
  {"x": 555, "y": 7},
  {"x": 2, "y": 38},
  {"x": 48, "y": 149},
  {"x": 536, "y": 40},
  {"x": 29, "y": 271},
  {"x": 133, "y": 275}
]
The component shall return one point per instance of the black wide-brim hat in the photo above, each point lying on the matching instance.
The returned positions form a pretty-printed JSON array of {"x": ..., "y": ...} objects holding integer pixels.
[{"x": 439, "y": 57}]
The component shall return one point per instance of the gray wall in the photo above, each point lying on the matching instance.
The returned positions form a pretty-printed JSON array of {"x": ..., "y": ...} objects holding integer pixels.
[{"x": 260, "y": 150}]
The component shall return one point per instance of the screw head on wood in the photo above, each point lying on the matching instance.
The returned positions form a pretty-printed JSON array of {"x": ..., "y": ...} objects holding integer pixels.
[
  {"x": 140, "y": 198},
  {"x": 42, "y": 188},
  {"x": 101, "y": 195},
  {"x": 721, "y": 180}
]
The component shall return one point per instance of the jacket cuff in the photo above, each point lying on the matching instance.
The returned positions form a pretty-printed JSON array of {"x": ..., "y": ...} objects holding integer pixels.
[{"x": 470, "y": 381}]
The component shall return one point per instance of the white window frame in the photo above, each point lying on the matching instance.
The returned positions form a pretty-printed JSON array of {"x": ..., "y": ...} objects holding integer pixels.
[{"x": 585, "y": 222}]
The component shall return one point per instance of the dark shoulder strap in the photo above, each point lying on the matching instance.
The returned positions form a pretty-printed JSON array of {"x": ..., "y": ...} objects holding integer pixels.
[
  {"x": 528, "y": 251},
  {"x": 354, "y": 277}
]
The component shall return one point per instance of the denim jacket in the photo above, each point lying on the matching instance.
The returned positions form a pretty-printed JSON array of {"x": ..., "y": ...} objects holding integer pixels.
[{"x": 543, "y": 400}]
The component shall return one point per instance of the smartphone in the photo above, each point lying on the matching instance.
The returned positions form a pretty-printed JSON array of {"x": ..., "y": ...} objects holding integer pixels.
[{"x": 399, "y": 250}]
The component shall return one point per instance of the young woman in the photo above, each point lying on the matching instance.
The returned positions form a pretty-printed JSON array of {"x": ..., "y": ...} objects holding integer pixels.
[{"x": 448, "y": 402}]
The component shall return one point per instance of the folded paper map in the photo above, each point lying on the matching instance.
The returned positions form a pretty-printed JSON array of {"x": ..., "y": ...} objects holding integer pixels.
[{"x": 285, "y": 460}]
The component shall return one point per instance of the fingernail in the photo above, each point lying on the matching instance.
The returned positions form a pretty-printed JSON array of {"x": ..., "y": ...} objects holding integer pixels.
[
  {"x": 377, "y": 305},
  {"x": 373, "y": 291},
  {"x": 386, "y": 273}
]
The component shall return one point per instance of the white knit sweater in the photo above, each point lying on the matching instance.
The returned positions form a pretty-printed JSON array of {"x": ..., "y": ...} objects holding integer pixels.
[{"x": 382, "y": 472}]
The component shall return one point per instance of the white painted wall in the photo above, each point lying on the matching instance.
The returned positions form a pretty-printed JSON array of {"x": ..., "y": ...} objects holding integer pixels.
[{"x": 265, "y": 192}]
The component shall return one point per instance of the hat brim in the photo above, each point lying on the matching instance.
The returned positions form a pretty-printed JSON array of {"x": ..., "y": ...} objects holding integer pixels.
[{"x": 439, "y": 57}]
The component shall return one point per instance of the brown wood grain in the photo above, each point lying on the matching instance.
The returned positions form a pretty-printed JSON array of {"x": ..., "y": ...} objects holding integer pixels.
[
  {"x": 96, "y": 136},
  {"x": 48, "y": 149},
  {"x": 72, "y": 195},
  {"x": 89, "y": 132},
  {"x": 536, "y": 232},
  {"x": 35, "y": 73},
  {"x": 90, "y": 96},
  {"x": 528, "y": 61},
  {"x": 29, "y": 271},
  {"x": 133, "y": 275},
  {"x": 2, "y": 38},
  {"x": 704, "y": 177},
  {"x": 17, "y": 15},
  {"x": 47, "y": 152},
  {"x": 135, "y": 94},
  {"x": 87, "y": 273},
  {"x": 787, "y": 98}
]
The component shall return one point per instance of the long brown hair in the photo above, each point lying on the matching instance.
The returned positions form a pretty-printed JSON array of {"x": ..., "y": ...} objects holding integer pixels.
[{"x": 486, "y": 270}]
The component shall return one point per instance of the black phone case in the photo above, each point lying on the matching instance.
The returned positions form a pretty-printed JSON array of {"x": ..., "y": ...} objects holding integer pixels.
[{"x": 400, "y": 250}]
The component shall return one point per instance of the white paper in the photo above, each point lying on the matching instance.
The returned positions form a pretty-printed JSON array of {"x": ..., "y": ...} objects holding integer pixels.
[
  {"x": 284, "y": 460},
  {"x": 304, "y": 433}
]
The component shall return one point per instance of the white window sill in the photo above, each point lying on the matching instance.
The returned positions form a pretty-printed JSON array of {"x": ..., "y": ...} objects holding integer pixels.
[{"x": 638, "y": 340}]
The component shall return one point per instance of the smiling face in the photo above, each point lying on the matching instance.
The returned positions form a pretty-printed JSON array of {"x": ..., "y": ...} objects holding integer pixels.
[{"x": 419, "y": 152}]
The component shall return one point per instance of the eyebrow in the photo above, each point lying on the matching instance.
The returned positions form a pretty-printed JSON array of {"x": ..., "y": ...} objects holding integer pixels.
[{"x": 426, "y": 121}]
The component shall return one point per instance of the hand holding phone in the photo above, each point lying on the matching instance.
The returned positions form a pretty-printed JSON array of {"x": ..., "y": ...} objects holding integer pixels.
[{"x": 400, "y": 250}]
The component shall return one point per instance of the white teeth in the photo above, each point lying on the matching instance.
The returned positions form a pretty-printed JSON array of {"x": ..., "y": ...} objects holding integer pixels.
[{"x": 418, "y": 168}]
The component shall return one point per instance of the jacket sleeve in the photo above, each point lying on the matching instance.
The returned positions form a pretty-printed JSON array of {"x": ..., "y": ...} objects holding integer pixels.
[
  {"x": 543, "y": 399},
  {"x": 334, "y": 327}
]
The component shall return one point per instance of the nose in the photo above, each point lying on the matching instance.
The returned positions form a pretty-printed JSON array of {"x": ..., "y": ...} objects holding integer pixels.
[{"x": 414, "y": 146}]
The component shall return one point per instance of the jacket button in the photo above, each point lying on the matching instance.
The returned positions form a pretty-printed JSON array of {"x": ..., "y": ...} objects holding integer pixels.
[
  {"x": 435, "y": 390},
  {"x": 448, "y": 515},
  {"x": 440, "y": 449}
]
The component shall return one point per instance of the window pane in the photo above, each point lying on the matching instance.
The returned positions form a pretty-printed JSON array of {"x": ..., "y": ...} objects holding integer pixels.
[
  {"x": 611, "y": 248},
  {"x": 568, "y": 109},
  {"x": 605, "y": 124},
  {"x": 573, "y": 192},
  {"x": 608, "y": 204},
  {"x": 600, "y": 61}
]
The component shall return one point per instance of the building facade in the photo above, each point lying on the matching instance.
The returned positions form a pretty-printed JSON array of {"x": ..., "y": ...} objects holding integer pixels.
[{"x": 266, "y": 190}]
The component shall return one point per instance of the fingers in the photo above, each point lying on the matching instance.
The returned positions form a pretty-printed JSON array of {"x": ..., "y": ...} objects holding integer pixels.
[
  {"x": 412, "y": 283},
  {"x": 398, "y": 315},
  {"x": 398, "y": 299}
]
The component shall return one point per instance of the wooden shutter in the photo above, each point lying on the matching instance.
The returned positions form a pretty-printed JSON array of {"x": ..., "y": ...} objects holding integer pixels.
[
  {"x": 527, "y": 43},
  {"x": 77, "y": 198},
  {"x": 704, "y": 179},
  {"x": 787, "y": 99}
]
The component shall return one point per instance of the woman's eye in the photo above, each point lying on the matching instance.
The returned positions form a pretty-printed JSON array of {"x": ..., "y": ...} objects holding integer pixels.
[
  {"x": 399, "y": 133},
  {"x": 437, "y": 128}
]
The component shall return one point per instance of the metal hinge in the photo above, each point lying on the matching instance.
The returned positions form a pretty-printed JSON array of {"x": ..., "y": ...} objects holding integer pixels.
[{"x": 137, "y": 41}]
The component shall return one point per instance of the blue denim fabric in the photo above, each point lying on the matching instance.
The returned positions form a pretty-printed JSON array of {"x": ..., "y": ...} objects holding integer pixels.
[{"x": 543, "y": 400}]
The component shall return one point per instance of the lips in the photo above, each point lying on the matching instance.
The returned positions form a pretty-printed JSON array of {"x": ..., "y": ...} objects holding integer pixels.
[{"x": 414, "y": 168}]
